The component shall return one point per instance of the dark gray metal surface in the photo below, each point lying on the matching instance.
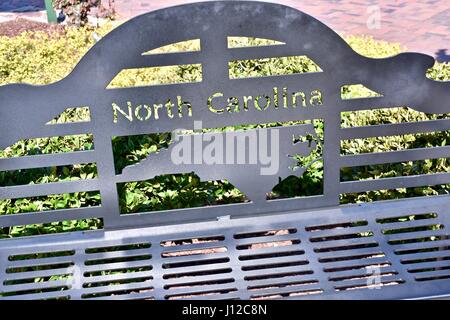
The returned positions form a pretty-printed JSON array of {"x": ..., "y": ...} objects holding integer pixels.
[{"x": 25, "y": 110}]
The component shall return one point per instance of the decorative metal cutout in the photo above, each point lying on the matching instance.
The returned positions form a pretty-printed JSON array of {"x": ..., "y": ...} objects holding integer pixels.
[{"x": 218, "y": 101}]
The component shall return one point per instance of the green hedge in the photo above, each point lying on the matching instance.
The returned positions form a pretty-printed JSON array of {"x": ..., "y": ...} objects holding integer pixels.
[{"x": 39, "y": 58}]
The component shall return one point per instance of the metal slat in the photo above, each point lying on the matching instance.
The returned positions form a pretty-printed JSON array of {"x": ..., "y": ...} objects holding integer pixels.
[
  {"x": 66, "y": 129},
  {"x": 281, "y": 281},
  {"x": 279, "y": 270},
  {"x": 39, "y": 296},
  {"x": 398, "y": 182},
  {"x": 167, "y": 59},
  {"x": 47, "y": 160},
  {"x": 394, "y": 129},
  {"x": 420, "y": 245},
  {"x": 215, "y": 274},
  {"x": 192, "y": 253},
  {"x": 295, "y": 80},
  {"x": 199, "y": 246},
  {"x": 117, "y": 277},
  {"x": 59, "y": 130},
  {"x": 196, "y": 287},
  {"x": 52, "y": 243},
  {"x": 201, "y": 289},
  {"x": 118, "y": 254},
  {"x": 337, "y": 232},
  {"x": 171, "y": 217},
  {"x": 250, "y": 231},
  {"x": 345, "y": 245},
  {"x": 423, "y": 255},
  {"x": 369, "y": 255},
  {"x": 118, "y": 265},
  {"x": 257, "y": 52},
  {"x": 37, "y": 285},
  {"x": 249, "y": 254},
  {"x": 36, "y": 274},
  {"x": 365, "y": 159},
  {"x": 373, "y": 103},
  {"x": 196, "y": 279},
  {"x": 194, "y": 258},
  {"x": 354, "y": 263},
  {"x": 199, "y": 268},
  {"x": 274, "y": 261},
  {"x": 306, "y": 296},
  {"x": 145, "y": 285},
  {"x": 233, "y": 295},
  {"x": 275, "y": 291},
  {"x": 435, "y": 273},
  {"x": 406, "y": 255},
  {"x": 106, "y": 244},
  {"x": 39, "y": 262},
  {"x": 362, "y": 283},
  {"x": 267, "y": 239},
  {"x": 426, "y": 265},
  {"x": 336, "y": 276},
  {"x": 130, "y": 296},
  {"x": 408, "y": 223},
  {"x": 348, "y": 253},
  {"x": 21, "y": 219},
  {"x": 189, "y": 236},
  {"x": 414, "y": 235},
  {"x": 227, "y": 296},
  {"x": 330, "y": 225}
]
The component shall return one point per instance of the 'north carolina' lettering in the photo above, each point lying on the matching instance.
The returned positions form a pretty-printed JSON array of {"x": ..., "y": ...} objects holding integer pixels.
[{"x": 145, "y": 112}]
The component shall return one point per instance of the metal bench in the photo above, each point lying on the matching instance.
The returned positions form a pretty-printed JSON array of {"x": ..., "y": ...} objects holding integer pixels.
[{"x": 308, "y": 247}]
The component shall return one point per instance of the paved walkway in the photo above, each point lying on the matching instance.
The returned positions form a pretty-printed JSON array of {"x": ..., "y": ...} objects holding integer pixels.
[{"x": 420, "y": 25}]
